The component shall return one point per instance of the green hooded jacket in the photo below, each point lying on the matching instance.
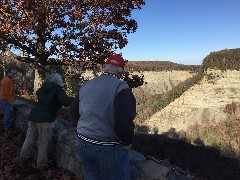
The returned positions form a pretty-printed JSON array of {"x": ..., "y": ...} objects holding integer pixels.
[{"x": 51, "y": 97}]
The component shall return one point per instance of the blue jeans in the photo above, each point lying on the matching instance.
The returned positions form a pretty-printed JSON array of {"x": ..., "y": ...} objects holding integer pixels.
[
  {"x": 7, "y": 111},
  {"x": 103, "y": 162}
]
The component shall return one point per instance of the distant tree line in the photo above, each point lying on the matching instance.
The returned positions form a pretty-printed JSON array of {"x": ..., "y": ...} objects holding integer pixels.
[
  {"x": 223, "y": 60},
  {"x": 160, "y": 66}
]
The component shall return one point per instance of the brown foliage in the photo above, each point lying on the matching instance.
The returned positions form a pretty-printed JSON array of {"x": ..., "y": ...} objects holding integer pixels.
[
  {"x": 133, "y": 80},
  {"x": 57, "y": 31},
  {"x": 230, "y": 108}
]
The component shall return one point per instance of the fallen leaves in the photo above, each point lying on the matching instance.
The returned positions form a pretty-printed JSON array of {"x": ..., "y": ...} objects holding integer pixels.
[{"x": 12, "y": 168}]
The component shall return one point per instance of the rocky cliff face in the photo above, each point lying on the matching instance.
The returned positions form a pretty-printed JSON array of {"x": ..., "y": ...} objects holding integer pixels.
[
  {"x": 163, "y": 81},
  {"x": 204, "y": 102}
]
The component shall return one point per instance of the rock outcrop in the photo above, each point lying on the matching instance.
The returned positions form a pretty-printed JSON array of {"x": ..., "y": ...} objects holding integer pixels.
[
  {"x": 163, "y": 81},
  {"x": 204, "y": 102}
]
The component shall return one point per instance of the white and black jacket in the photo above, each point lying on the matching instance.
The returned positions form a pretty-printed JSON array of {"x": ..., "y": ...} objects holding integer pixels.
[{"x": 105, "y": 108}]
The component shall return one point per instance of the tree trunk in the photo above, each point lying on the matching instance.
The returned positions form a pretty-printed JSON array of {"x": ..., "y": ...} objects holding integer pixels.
[
  {"x": 37, "y": 80},
  {"x": 3, "y": 63}
]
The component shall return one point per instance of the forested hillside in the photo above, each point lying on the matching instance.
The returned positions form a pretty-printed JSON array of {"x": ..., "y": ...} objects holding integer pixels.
[
  {"x": 223, "y": 60},
  {"x": 209, "y": 105},
  {"x": 159, "y": 66}
]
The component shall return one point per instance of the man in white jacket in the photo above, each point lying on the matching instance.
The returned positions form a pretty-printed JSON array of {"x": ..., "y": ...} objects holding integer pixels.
[{"x": 105, "y": 108}]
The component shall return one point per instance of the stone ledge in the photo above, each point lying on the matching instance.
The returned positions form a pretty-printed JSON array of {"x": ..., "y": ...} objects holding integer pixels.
[{"x": 67, "y": 157}]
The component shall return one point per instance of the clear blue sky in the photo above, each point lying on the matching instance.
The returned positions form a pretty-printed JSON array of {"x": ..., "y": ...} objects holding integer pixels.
[{"x": 183, "y": 31}]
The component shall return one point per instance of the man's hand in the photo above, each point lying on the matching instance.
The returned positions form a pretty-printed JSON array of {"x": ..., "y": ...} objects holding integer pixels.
[{"x": 128, "y": 147}]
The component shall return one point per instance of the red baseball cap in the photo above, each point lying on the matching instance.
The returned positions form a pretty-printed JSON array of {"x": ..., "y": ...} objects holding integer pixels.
[{"x": 116, "y": 60}]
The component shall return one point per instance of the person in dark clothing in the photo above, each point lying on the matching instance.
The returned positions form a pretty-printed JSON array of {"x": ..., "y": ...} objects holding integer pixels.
[
  {"x": 105, "y": 108},
  {"x": 51, "y": 97}
]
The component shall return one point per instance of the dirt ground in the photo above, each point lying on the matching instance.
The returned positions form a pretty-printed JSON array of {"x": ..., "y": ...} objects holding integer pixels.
[{"x": 11, "y": 168}]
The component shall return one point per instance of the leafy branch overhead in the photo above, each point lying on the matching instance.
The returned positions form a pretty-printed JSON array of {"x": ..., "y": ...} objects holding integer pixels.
[{"x": 62, "y": 32}]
